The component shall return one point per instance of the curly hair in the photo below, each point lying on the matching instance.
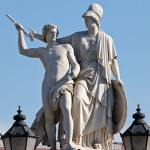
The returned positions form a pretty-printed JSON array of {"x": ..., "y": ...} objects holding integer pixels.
[{"x": 46, "y": 28}]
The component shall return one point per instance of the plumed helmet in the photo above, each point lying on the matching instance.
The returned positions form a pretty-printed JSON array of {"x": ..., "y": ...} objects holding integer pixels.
[{"x": 95, "y": 11}]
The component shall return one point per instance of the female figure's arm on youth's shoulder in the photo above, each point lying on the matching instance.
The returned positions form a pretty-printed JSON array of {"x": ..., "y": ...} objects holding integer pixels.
[
  {"x": 65, "y": 40},
  {"x": 37, "y": 36}
]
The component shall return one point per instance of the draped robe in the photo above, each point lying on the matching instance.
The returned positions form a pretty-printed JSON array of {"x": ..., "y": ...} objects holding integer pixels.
[{"x": 92, "y": 114}]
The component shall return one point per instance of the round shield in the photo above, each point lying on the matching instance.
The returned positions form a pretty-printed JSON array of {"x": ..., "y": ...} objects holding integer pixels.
[{"x": 119, "y": 107}]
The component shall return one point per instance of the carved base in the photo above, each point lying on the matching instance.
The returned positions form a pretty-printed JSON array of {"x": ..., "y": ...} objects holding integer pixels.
[{"x": 79, "y": 147}]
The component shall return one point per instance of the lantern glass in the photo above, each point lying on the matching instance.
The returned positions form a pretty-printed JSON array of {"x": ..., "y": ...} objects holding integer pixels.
[
  {"x": 6, "y": 143},
  {"x": 18, "y": 143},
  {"x": 31, "y": 143},
  {"x": 127, "y": 142},
  {"x": 148, "y": 143},
  {"x": 139, "y": 142}
]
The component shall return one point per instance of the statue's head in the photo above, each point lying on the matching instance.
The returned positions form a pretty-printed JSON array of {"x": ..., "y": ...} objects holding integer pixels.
[
  {"x": 47, "y": 28},
  {"x": 95, "y": 11}
]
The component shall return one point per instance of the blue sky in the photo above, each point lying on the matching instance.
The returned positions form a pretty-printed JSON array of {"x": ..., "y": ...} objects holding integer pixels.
[{"x": 128, "y": 22}]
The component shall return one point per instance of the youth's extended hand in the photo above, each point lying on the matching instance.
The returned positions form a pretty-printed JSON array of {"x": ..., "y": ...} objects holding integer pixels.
[
  {"x": 18, "y": 26},
  {"x": 73, "y": 74},
  {"x": 120, "y": 83},
  {"x": 33, "y": 33}
]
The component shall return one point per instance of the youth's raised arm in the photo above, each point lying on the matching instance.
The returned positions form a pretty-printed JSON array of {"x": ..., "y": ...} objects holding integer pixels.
[{"x": 31, "y": 52}]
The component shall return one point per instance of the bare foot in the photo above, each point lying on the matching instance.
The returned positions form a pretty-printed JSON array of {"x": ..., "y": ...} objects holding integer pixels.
[
  {"x": 97, "y": 146},
  {"x": 70, "y": 147}
]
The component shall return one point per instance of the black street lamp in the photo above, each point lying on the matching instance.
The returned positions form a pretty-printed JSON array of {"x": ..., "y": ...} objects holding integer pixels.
[
  {"x": 19, "y": 136},
  {"x": 137, "y": 136}
]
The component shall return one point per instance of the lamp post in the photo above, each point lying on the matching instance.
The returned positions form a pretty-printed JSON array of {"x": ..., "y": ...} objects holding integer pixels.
[
  {"x": 19, "y": 136},
  {"x": 137, "y": 136}
]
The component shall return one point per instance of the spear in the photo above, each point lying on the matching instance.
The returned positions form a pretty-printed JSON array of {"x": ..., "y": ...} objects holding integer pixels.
[{"x": 25, "y": 32}]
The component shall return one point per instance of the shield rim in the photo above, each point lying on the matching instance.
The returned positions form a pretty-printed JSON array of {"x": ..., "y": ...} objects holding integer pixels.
[{"x": 120, "y": 90}]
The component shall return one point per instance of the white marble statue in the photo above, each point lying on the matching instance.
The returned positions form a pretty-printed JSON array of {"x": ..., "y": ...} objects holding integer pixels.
[
  {"x": 93, "y": 100},
  {"x": 56, "y": 88}
]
